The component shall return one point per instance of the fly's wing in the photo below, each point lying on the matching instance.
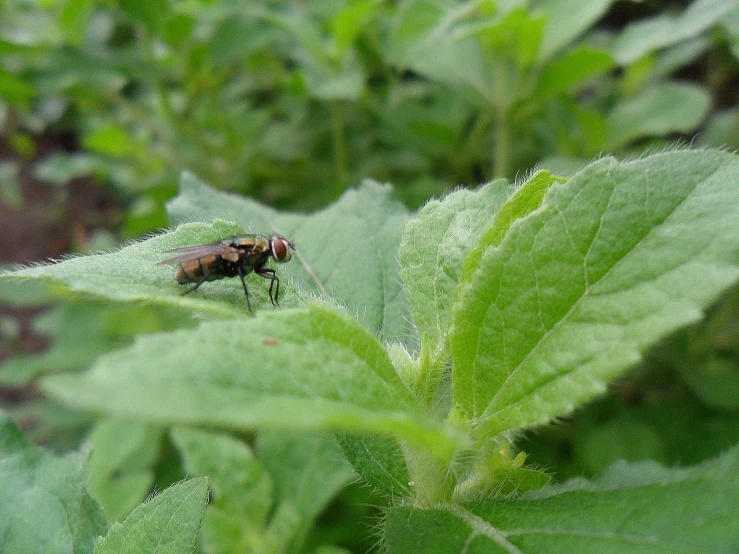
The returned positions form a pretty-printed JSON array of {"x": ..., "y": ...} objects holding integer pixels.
[{"x": 187, "y": 253}]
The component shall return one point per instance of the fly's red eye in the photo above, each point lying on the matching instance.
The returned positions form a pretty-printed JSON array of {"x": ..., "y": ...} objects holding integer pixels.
[{"x": 279, "y": 250}]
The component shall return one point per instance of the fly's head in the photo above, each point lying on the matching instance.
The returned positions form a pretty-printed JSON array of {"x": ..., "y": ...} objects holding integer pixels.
[{"x": 280, "y": 248}]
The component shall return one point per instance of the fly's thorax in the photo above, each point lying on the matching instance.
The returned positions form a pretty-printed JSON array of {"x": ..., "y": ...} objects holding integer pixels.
[
  {"x": 257, "y": 258},
  {"x": 261, "y": 243},
  {"x": 249, "y": 242}
]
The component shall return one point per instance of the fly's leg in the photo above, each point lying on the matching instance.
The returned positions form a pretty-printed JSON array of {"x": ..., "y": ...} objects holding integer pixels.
[
  {"x": 202, "y": 280},
  {"x": 246, "y": 292},
  {"x": 269, "y": 273}
]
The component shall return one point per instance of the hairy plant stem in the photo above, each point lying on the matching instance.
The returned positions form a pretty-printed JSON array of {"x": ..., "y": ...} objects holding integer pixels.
[
  {"x": 428, "y": 375},
  {"x": 431, "y": 481}
]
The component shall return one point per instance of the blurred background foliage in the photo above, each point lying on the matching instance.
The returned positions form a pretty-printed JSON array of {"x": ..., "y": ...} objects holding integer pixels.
[
  {"x": 104, "y": 102},
  {"x": 292, "y": 102}
]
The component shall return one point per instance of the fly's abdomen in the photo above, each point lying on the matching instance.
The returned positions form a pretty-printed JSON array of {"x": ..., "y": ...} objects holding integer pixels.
[{"x": 193, "y": 271}]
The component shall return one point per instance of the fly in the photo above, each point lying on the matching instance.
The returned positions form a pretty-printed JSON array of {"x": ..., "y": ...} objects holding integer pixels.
[{"x": 231, "y": 257}]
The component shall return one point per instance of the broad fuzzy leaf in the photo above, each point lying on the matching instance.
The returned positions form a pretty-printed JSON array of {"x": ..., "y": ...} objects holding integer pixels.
[
  {"x": 424, "y": 38},
  {"x": 78, "y": 338},
  {"x": 44, "y": 507},
  {"x": 242, "y": 489},
  {"x": 198, "y": 202},
  {"x": 658, "y": 110},
  {"x": 612, "y": 261},
  {"x": 131, "y": 274},
  {"x": 731, "y": 24},
  {"x": 641, "y": 508},
  {"x": 121, "y": 464},
  {"x": 308, "y": 468},
  {"x": 169, "y": 523},
  {"x": 308, "y": 471},
  {"x": 566, "y": 19},
  {"x": 81, "y": 331},
  {"x": 572, "y": 69},
  {"x": 434, "y": 246},
  {"x": 642, "y": 37},
  {"x": 522, "y": 202},
  {"x": 310, "y": 368},
  {"x": 380, "y": 462},
  {"x": 347, "y": 251}
]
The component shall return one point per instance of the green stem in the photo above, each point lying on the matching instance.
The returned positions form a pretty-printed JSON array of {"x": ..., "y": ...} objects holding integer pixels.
[
  {"x": 428, "y": 376},
  {"x": 431, "y": 482},
  {"x": 502, "y": 151},
  {"x": 475, "y": 148},
  {"x": 339, "y": 141}
]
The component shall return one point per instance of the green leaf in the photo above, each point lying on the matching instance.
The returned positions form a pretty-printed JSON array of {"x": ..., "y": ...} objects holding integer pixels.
[
  {"x": 715, "y": 382},
  {"x": 112, "y": 140},
  {"x": 131, "y": 274},
  {"x": 44, "y": 507},
  {"x": 572, "y": 69},
  {"x": 500, "y": 475},
  {"x": 413, "y": 21},
  {"x": 613, "y": 260},
  {"x": 11, "y": 195},
  {"x": 15, "y": 89},
  {"x": 50, "y": 423},
  {"x": 422, "y": 39},
  {"x": 674, "y": 58},
  {"x": 198, "y": 200},
  {"x": 331, "y": 71},
  {"x": 722, "y": 129},
  {"x": 379, "y": 460},
  {"x": 348, "y": 251},
  {"x": 308, "y": 470},
  {"x": 731, "y": 23},
  {"x": 168, "y": 523},
  {"x": 120, "y": 466},
  {"x": 642, "y": 37},
  {"x": 632, "y": 508},
  {"x": 75, "y": 69},
  {"x": 434, "y": 246},
  {"x": 241, "y": 489},
  {"x": 26, "y": 294},
  {"x": 522, "y": 202},
  {"x": 81, "y": 331},
  {"x": 235, "y": 38},
  {"x": 74, "y": 20},
  {"x": 60, "y": 168},
  {"x": 658, "y": 110},
  {"x": 517, "y": 36},
  {"x": 328, "y": 85},
  {"x": 566, "y": 20},
  {"x": 78, "y": 336},
  {"x": 622, "y": 438},
  {"x": 349, "y": 21},
  {"x": 312, "y": 368},
  {"x": 151, "y": 13}
]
